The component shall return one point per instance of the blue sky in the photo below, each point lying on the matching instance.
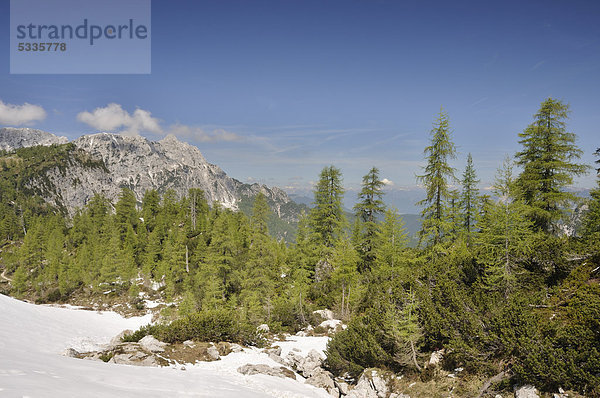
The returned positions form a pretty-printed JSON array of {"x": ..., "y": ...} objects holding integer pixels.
[{"x": 272, "y": 91}]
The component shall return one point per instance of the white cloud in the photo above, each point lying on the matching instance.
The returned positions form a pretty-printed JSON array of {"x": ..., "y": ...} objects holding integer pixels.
[
  {"x": 114, "y": 118},
  {"x": 387, "y": 182},
  {"x": 18, "y": 115},
  {"x": 199, "y": 134}
]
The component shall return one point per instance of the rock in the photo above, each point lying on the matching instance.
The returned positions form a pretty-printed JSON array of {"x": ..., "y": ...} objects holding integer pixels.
[
  {"x": 138, "y": 359},
  {"x": 212, "y": 352},
  {"x": 275, "y": 350},
  {"x": 71, "y": 353},
  {"x": 150, "y": 343},
  {"x": 325, "y": 314},
  {"x": 264, "y": 328},
  {"x": 250, "y": 369},
  {"x": 498, "y": 396},
  {"x": 371, "y": 384},
  {"x": 224, "y": 348},
  {"x": 236, "y": 347},
  {"x": 396, "y": 395},
  {"x": 332, "y": 324},
  {"x": 311, "y": 364},
  {"x": 189, "y": 343},
  {"x": 526, "y": 391},
  {"x": 294, "y": 360},
  {"x": 323, "y": 379},
  {"x": 277, "y": 358},
  {"x": 342, "y": 386},
  {"x": 115, "y": 341},
  {"x": 436, "y": 357}
]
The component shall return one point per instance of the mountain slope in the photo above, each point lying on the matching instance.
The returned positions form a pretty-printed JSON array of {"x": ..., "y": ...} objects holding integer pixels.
[{"x": 139, "y": 164}]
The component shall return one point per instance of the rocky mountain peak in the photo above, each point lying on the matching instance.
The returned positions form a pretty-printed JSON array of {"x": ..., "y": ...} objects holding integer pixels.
[{"x": 12, "y": 138}]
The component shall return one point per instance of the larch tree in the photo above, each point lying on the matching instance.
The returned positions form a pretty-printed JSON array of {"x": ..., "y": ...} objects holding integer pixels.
[
  {"x": 369, "y": 206},
  {"x": 327, "y": 217},
  {"x": 469, "y": 198},
  {"x": 548, "y": 159},
  {"x": 438, "y": 174},
  {"x": 592, "y": 222},
  {"x": 505, "y": 233}
]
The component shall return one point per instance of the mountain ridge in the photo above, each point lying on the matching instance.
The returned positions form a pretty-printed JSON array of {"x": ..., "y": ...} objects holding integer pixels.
[{"x": 139, "y": 164}]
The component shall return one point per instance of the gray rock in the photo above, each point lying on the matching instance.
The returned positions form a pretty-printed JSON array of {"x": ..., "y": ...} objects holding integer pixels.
[
  {"x": 342, "y": 386},
  {"x": 150, "y": 343},
  {"x": 321, "y": 378},
  {"x": 213, "y": 352},
  {"x": 526, "y": 391},
  {"x": 236, "y": 347},
  {"x": 15, "y": 138},
  {"x": 325, "y": 314},
  {"x": 71, "y": 353},
  {"x": 370, "y": 385},
  {"x": 250, "y": 369},
  {"x": 275, "y": 350},
  {"x": 277, "y": 358}
]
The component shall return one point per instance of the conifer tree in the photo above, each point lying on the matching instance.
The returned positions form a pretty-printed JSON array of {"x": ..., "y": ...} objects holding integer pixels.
[
  {"x": 592, "y": 221},
  {"x": 469, "y": 197},
  {"x": 391, "y": 242},
  {"x": 505, "y": 233},
  {"x": 438, "y": 174},
  {"x": 327, "y": 218},
  {"x": 548, "y": 158},
  {"x": 370, "y": 206},
  {"x": 345, "y": 261}
]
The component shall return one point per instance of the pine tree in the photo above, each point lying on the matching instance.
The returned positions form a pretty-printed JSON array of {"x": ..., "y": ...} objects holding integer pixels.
[
  {"x": 370, "y": 206},
  {"x": 436, "y": 179},
  {"x": 548, "y": 161},
  {"x": 327, "y": 218},
  {"x": 469, "y": 198}
]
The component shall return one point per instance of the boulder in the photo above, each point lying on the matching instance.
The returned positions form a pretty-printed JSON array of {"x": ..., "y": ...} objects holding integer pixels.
[
  {"x": 236, "y": 347},
  {"x": 264, "y": 328},
  {"x": 321, "y": 378},
  {"x": 150, "y": 343},
  {"x": 189, "y": 343},
  {"x": 136, "y": 358},
  {"x": 212, "y": 352},
  {"x": 275, "y": 350},
  {"x": 71, "y": 353},
  {"x": 342, "y": 386},
  {"x": 371, "y": 384},
  {"x": 311, "y": 364},
  {"x": 294, "y": 360},
  {"x": 224, "y": 348},
  {"x": 331, "y": 324},
  {"x": 325, "y": 314},
  {"x": 250, "y": 369},
  {"x": 526, "y": 391}
]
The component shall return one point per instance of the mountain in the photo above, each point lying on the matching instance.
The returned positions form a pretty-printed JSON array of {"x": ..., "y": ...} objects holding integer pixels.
[
  {"x": 14, "y": 138},
  {"x": 104, "y": 163}
]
